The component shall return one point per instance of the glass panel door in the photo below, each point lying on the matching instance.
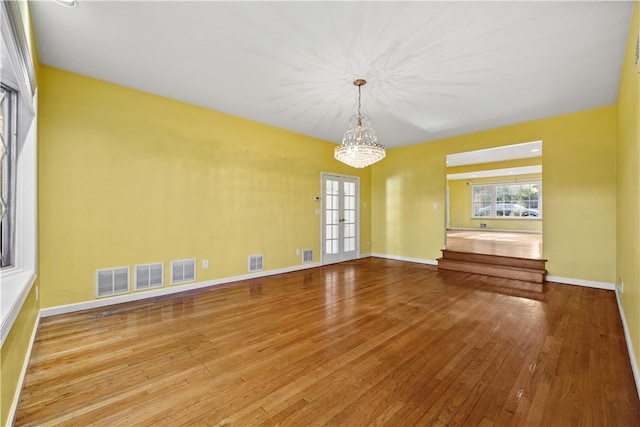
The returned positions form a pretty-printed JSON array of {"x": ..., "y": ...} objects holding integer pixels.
[{"x": 339, "y": 218}]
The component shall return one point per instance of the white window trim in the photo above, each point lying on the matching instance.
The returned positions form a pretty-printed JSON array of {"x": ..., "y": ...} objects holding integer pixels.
[{"x": 13, "y": 33}]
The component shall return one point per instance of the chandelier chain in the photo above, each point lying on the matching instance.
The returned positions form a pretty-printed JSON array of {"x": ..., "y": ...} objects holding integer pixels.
[{"x": 359, "y": 99}]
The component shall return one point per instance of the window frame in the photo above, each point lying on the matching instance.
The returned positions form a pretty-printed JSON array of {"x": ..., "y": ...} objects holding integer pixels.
[
  {"x": 494, "y": 200},
  {"x": 16, "y": 282},
  {"x": 9, "y": 168}
]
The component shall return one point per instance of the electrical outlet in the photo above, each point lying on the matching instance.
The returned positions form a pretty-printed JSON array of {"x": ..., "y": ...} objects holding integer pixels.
[
  {"x": 620, "y": 286},
  {"x": 37, "y": 293},
  {"x": 298, "y": 252},
  {"x": 205, "y": 263}
]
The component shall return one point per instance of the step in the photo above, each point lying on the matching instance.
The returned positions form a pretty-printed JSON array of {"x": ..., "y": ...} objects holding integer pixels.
[
  {"x": 535, "y": 264},
  {"x": 505, "y": 271}
]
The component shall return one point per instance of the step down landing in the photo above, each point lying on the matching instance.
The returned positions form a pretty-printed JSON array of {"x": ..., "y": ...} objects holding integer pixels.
[{"x": 524, "y": 269}]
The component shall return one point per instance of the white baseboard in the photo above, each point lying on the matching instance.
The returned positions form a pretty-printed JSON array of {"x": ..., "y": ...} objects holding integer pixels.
[
  {"x": 499, "y": 230},
  {"x": 403, "y": 258},
  {"x": 23, "y": 374},
  {"x": 582, "y": 282},
  {"x": 103, "y": 302},
  {"x": 627, "y": 337}
]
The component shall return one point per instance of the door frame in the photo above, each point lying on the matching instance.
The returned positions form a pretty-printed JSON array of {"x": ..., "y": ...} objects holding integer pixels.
[{"x": 323, "y": 175}]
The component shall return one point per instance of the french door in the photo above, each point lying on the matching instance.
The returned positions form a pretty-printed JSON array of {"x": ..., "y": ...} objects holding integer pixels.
[{"x": 340, "y": 218}]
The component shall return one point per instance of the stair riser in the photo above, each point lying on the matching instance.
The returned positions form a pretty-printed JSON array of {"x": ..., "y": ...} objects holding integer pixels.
[
  {"x": 533, "y": 264},
  {"x": 491, "y": 270}
]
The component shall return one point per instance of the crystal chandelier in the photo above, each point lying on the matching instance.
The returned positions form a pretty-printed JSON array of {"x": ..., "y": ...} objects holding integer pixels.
[{"x": 359, "y": 147}]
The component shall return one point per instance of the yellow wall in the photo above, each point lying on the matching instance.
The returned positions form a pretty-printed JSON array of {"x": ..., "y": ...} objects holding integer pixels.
[
  {"x": 127, "y": 178},
  {"x": 628, "y": 185},
  {"x": 579, "y": 178},
  {"x": 460, "y": 205},
  {"x": 14, "y": 351}
]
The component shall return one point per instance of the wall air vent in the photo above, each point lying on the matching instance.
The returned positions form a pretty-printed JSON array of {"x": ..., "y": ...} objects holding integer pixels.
[
  {"x": 307, "y": 256},
  {"x": 149, "y": 276},
  {"x": 112, "y": 281},
  {"x": 256, "y": 263},
  {"x": 183, "y": 271}
]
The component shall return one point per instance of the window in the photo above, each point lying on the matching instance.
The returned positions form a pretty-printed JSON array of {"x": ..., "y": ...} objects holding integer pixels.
[
  {"x": 522, "y": 200},
  {"x": 7, "y": 175},
  {"x": 18, "y": 165}
]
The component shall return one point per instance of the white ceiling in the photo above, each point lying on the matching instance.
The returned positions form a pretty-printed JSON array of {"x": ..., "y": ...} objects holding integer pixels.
[{"x": 434, "y": 69}]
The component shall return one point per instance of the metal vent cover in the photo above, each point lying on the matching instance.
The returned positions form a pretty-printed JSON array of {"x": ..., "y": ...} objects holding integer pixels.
[
  {"x": 183, "y": 271},
  {"x": 148, "y": 276},
  {"x": 256, "y": 263},
  {"x": 112, "y": 281},
  {"x": 307, "y": 256}
]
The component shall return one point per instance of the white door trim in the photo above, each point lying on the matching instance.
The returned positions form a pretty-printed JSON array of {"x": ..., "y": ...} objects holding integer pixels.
[{"x": 323, "y": 177}]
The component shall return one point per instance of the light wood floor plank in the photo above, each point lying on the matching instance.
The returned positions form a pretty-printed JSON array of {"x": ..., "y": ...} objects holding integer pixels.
[{"x": 369, "y": 342}]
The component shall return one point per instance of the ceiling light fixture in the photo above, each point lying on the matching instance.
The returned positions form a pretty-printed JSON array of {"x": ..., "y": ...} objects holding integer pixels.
[
  {"x": 67, "y": 3},
  {"x": 359, "y": 147}
]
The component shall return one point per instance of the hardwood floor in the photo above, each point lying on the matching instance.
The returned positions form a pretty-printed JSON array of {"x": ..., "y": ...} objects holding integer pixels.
[
  {"x": 368, "y": 342},
  {"x": 512, "y": 243}
]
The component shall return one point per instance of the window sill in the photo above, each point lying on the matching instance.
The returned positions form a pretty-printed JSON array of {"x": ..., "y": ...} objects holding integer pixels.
[
  {"x": 15, "y": 286},
  {"x": 506, "y": 218}
]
